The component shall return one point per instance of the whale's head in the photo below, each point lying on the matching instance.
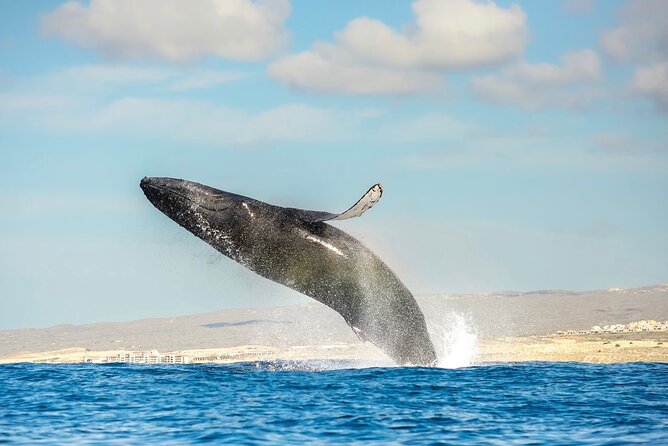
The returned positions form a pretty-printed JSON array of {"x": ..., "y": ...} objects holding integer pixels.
[{"x": 206, "y": 212}]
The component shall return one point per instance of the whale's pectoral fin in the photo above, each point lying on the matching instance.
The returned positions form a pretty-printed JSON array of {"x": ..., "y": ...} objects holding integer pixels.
[{"x": 371, "y": 197}]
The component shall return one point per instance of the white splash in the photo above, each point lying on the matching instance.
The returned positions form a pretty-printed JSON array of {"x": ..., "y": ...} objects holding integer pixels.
[{"x": 456, "y": 342}]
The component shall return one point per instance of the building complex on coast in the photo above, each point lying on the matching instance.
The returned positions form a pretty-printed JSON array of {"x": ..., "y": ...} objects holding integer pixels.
[
  {"x": 155, "y": 357},
  {"x": 633, "y": 327}
]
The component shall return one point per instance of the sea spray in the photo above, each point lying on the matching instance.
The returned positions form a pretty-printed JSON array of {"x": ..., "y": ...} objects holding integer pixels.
[{"x": 455, "y": 340}]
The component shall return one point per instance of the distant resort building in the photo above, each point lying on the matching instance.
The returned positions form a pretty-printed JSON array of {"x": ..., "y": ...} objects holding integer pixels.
[
  {"x": 152, "y": 357},
  {"x": 633, "y": 327},
  {"x": 155, "y": 357}
]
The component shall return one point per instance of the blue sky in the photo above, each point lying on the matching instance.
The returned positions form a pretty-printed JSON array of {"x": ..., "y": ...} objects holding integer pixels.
[{"x": 522, "y": 145}]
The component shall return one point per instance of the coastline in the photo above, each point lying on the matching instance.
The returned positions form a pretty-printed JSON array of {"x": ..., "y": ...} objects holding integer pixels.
[
  {"x": 589, "y": 348},
  {"x": 601, "y": 326}
]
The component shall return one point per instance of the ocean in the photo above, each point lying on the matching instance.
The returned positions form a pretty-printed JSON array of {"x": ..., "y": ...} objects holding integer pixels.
[{"x": 333, "y": 402}]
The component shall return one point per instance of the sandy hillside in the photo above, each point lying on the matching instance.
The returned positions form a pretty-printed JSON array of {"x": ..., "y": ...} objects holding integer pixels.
[{"x": 494, "y": 317}]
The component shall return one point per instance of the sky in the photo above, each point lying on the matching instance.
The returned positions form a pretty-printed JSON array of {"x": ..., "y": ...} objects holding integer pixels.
[{"x": 522, "y": 145}]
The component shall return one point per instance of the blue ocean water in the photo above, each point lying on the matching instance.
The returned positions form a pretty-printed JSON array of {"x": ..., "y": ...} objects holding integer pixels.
[{"x": 311, "y": 402}]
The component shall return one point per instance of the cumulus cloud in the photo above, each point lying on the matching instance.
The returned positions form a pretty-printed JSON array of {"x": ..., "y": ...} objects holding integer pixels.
[
  {"x": 172, "y": 29},
  {"x": 641, "y": 37},
  {"x": 572, "y": 83},
  {"x": 642, "y": 32},
  {"x": 369, "y": 57},
  {"x": 311, "y": 71},
  {"x": 652, "y": 81}
]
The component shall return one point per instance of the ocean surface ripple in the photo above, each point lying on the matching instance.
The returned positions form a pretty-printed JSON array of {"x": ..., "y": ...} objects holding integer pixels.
[{"x": 333, "y": 402}]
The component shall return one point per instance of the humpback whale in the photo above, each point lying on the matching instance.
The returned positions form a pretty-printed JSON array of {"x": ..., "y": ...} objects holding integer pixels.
[{"x": 298, "y": 249}]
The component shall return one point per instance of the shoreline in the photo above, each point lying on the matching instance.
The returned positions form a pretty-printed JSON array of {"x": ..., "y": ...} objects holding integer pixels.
[
  {"x": 588, "y": 348},
  {"x": 604, "y": 326},
  {"x": 487, "y": 317}
]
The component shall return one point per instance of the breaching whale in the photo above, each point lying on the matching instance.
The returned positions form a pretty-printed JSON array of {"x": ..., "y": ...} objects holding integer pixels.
[{"x": 296, "y": 248}]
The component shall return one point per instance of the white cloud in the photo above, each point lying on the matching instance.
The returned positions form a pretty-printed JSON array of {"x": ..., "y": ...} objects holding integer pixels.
[
  {"x": 311, "y": 71},
  {"x": 95, "y": 106},
  {"x": 369, "y": 57},
  {"x": 78, "y": 78},
  {"x": 652, "y": 81},
  {"x": 642, "y": 33},
  {"x": 192, "y": 121},
  {"x": 200, "y": 121},
  {"x": 616, "y": 144},
  {"x": 100, "y": 75},
  {"x": 572, "y": 83},
  {"x": 642, "y": 37},
  {"x": 172, "y": 29}
]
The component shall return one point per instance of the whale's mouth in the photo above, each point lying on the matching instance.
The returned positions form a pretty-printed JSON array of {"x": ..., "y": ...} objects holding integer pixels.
[
  {"x": 161, "y": 189},
  {"x": 158, "y": 189}
]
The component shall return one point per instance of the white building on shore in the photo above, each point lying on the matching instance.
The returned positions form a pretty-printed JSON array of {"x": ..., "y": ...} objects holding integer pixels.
[{"x": 633, "y": 327}]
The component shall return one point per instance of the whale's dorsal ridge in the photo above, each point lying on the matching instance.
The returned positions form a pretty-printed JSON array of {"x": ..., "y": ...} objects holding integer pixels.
[{"x": 370, "y": 198}]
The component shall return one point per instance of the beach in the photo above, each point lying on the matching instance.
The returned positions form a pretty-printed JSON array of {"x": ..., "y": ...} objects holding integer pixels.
[{"x": 595, "y": 349}]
